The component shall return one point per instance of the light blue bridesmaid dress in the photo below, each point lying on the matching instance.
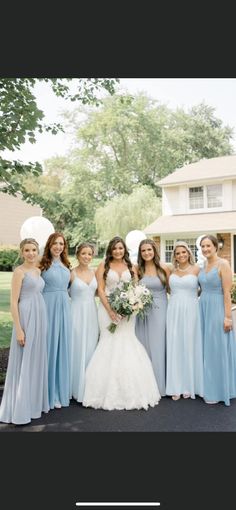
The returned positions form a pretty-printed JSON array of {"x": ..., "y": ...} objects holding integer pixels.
[
  {"x": 85, "y": 332},
  {"x": 184, "y": 373},
  {"x": 219, "y": 348},
  {"x": 25, "y": 393},
  {"x": 57, "y": 301},
  {"x": 151, "y": 331}
]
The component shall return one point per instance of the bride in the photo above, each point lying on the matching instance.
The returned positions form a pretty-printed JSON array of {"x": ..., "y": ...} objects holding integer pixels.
[{"x": 119, "y": 374}]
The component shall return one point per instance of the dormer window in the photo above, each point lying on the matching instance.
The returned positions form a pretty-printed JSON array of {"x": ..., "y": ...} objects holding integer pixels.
[
  {"x": 196, "y": 198},
  {"x": 205, "y": 197},
  {"x": 214, "y": 195}
]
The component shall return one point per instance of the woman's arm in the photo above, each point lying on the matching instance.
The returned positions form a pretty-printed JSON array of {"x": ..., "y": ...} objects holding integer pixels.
[
  {"x": 135, "y": 270},
  {"x": 166, "y": 269},
  {"x": 72, "y": 275},
  {"x": 101, "y": 293},
  {"x": 196, "y": 269},
  {"x": 226, "y": 278},
  {"x": 17, "y": 279},
  {"x": 168, "y": 273}
]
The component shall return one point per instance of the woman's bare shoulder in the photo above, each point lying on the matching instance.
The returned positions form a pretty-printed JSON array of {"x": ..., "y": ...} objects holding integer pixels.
[
  {"x": 196, "y": 269},
  {"x": 100, "y": 269},
  {"x": 223, "y": 262},
  {"x": 19, "y": 271},
  {"x": 167, "y": 268}
]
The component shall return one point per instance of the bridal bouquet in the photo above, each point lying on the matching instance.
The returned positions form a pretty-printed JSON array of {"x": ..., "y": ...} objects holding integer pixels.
[{"x": 129, "y": 298}]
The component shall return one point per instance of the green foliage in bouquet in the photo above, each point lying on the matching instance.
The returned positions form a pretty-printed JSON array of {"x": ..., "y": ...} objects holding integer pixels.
[{"x": 129, "y": 298}]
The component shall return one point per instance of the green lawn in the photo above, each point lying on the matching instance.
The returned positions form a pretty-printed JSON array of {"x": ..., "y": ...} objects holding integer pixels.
[{"x": 5, "y": 315}]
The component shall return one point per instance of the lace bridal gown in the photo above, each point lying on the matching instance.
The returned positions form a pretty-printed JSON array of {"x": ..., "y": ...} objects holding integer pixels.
[{"x": 119, "y": 374}]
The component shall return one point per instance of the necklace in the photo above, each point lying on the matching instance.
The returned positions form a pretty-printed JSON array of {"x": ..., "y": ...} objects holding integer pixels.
[{"x": 183, "y": 270}]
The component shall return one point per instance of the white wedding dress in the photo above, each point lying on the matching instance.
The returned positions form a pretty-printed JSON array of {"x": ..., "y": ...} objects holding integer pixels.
[{"x": 119, "y": 374}]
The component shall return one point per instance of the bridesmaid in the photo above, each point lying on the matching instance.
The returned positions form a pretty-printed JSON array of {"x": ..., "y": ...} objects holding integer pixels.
[
  {"x": 151, "y": 331},
  {"x": 25, "y": 393},
  {"x": 85, "y": 329},
  {"x": 56, "y": 274},
  {"x": 184, "y": 374},
  {"x": 218, "y": 337}
]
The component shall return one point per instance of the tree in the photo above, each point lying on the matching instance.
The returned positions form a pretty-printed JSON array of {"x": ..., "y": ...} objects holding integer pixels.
[
  {"x": 67, "y": 195},
  {"x": 127, "y": 212},
  {"x": 20, "y": 118},
  {"x": 125, "y": 144},
  {"x": 130, "y": 141}
]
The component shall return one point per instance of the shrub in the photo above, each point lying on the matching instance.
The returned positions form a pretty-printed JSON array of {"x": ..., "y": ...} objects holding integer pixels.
[
  {"x": 8, "y": 257},
  {"x": 233, "y": 293}
]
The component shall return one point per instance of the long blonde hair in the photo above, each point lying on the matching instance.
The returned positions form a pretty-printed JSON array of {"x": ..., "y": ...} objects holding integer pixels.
[
  {"x": 28, "y": 240},
  {"x": 184, "y": 245}
]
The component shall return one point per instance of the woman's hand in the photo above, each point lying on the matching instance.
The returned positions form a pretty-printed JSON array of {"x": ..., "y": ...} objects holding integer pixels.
[
  {"x": 228, "y": 324},
  {"x": 21, "y": 338},
  {"x": 115, "y": 317}
]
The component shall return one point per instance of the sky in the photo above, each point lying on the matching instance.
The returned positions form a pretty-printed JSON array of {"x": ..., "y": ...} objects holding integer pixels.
[{"x": 219, "y": 93}]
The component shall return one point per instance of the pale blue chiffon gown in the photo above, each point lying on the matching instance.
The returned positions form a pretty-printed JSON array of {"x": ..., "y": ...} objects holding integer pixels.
[
  {"x": 25, "y": 393},
  {"x": 57, "y": 301},
  {"x": 85, "y": 332},
  {"x": 151, "y": 331},
  {"x": 184, "y": 340},
  {"x": 219, "y": 347}
]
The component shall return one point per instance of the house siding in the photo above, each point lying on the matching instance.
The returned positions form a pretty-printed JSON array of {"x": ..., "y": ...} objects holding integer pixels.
[
  {"x": 171, "y": 201},
  {"x": 13, "y": 212},
  {"x": 234, "y": 194}
]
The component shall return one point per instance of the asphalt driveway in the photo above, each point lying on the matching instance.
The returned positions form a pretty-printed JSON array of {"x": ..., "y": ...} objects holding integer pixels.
[{"x": 168, "y": 416}]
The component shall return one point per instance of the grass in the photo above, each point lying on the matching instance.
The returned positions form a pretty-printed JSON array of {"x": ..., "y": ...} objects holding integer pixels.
[
  {"x": 5, "y": 329},
  {"x": 5, "y": 315}
]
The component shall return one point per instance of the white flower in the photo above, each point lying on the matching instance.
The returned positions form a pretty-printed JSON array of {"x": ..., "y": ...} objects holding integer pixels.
[{"x": 138, "y": 290}]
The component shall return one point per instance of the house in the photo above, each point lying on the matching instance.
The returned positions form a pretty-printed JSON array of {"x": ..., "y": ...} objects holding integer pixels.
[
  {"x": 198, "y": 199},
  {"x": 13, "y": 212}
]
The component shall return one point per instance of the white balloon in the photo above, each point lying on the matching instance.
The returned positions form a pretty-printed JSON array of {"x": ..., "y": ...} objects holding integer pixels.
[
  {"x": 37, "y": 227},
  {"x": 199, "y": 240},
  {"x": 133, "y": 238},
  {"x": 200, "y": 257},
  {"x": 133, "y": 257}
]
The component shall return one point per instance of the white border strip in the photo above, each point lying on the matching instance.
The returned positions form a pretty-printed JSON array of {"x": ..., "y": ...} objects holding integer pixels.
[{"x": 118, "y": 504}]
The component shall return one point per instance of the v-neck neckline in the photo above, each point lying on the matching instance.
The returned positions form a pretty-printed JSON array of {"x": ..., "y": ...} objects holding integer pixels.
[{"x": 88, "y": 284}]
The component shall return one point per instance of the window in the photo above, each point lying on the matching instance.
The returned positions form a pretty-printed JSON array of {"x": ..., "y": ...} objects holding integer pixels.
[
  {"x": 196, "y": 198},
  {"x": 205, "y": 197},
  {"x": 191, "y": 242},
  {"x": 214, "y": 195},
  {"x": 168, "y": 250}
]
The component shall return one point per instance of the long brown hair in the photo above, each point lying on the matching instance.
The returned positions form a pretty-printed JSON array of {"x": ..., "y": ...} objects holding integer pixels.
[
  {"x": 156, "y": 260},
  {"x": 46, "y": 260},
  {"x": 109, "y": 256}
]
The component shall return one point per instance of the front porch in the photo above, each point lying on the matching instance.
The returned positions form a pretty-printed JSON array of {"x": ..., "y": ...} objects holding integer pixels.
[{"x": 227, "y": 240}]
